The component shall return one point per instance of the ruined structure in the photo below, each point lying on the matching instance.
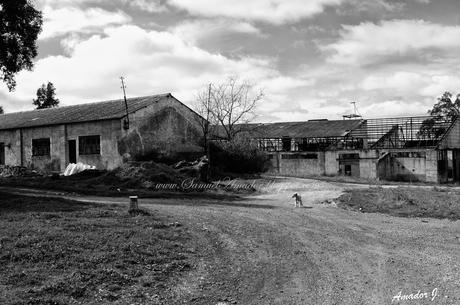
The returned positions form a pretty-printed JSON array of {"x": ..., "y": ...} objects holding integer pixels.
[
  {"x": 403, "y": 149},
  {"x": 101, "y": 134}
]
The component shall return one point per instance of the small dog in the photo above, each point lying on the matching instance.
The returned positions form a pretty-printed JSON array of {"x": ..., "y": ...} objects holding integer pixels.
[{"x": 298, "y": 200}]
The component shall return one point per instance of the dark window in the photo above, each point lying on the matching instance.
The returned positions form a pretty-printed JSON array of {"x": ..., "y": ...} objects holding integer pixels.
[
  {"x": 2, "y": 153},
  {"x": 347, "y": 170},
  {"x": 413, "y": 154},
  {"x": 348, "y": 156},
  {"x": 299, "y": 156},
  {"x": 286, "y": 143},
  {"x": 40, "y": 147},
  {"x": 89, "y": 145}
]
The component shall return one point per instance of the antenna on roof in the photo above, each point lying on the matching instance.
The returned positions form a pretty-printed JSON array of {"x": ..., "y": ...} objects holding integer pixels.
[
  {"x": 126, "y": 120},
  {"x": 355, "y": 113}
]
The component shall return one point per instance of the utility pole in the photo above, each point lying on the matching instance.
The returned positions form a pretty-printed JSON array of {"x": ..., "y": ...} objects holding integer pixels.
[
  {"x": 208, "y": 152},
  {"x": 126, "y": 121}
]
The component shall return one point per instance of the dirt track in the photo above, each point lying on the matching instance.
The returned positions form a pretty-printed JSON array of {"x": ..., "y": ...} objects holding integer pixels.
[{"x": 263, "y": 251}]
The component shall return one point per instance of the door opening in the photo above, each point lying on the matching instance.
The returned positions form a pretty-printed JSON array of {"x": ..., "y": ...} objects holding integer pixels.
[
  {"x": 2, "y": 153},
  {"x": 72, "y": 151}
]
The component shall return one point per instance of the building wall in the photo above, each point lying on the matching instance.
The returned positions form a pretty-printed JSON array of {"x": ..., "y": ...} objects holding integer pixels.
[
  {"x": 166, "y": 128},
  {"x": 452, "y": 139},
  {"x": 281, "y": 164},
  {"x": 331, "y": 165},
  {"x": 368, "y": 164},
  {"x": 11, "y": 140},
  {"x": 372, "y": 164},
  {"x": 109, "y": 132},
  {"x": 54, "y": 162},
  {"x": 431, "y": 165},
  {"x": 403, "y": 168}
]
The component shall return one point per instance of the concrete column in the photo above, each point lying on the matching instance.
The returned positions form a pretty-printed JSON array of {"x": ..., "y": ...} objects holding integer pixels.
[{"x": 432, "y": 166}]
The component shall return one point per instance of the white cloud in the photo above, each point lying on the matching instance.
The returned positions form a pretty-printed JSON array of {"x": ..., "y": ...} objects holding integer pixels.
[
  {"x": 393, "y": 108},
  {"x": 196, "y": 30},
  {"x": 152, "y": 62},
  {"x": 270, "y": 11},
  {"x": 369, "y": 43},
  {"x": 71, "y": 19},
  {"x": 151, "y": 6},
  {"x": 400, "y": 80}
]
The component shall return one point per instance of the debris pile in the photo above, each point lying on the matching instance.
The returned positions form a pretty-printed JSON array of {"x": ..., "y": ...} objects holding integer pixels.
[
  {"x": 142, "y": 172},
  {"x": 192, "y": 169},
  {"x": 79, "y": 167},
  {"x": 7, "y": 171}
]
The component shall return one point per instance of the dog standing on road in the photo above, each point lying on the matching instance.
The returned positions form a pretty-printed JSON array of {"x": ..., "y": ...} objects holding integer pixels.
[{"x": 298, "y": 200}]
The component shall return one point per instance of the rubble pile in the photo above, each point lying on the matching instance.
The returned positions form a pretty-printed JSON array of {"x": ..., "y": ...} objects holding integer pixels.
[{"x": 7, "y": 171}]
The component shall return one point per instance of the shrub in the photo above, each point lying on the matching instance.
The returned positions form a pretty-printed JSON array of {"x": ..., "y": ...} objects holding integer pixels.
[{"x": 239, "y": 156}]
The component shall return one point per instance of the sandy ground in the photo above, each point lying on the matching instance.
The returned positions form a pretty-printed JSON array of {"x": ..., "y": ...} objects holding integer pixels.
[{"x": 262, "y": 250}]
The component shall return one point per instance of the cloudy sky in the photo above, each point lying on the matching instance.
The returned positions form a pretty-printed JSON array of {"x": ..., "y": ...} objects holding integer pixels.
[{"x": 311, "y": 57}]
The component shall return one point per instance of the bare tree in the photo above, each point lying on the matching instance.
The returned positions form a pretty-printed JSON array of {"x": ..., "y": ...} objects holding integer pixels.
[
  {"x": 229, "y": 104},
  {"x": 202, "y": 107}
]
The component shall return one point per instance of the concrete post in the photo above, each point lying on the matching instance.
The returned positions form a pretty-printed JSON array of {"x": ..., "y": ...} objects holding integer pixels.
[{"x": 133, "y": 205}]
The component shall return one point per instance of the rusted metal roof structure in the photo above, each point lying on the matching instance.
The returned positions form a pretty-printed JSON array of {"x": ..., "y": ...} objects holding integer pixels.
[{"x": 308, "y": 129}]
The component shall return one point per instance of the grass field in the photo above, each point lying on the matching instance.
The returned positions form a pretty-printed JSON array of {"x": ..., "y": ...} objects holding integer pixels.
[
  {"x": 55, "y": 251},
  {"x": 405, "y": 202}
]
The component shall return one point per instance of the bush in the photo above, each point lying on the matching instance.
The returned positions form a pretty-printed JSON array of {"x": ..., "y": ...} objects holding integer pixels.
[{"x": 239, "y": 156}]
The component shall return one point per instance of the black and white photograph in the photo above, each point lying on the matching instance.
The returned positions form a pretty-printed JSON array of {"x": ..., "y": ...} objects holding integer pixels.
[{"x": 217, "y": 152}]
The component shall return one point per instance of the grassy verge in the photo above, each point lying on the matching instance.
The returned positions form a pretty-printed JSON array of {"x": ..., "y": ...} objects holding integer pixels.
[
  {"x": 55, "y": 251},
  {"x": 116, "y": 188},
  {"x": 404, "y": 202}
]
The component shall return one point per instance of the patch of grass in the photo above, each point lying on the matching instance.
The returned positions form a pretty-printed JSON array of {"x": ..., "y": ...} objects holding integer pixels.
[
  {"x": 404, "y": 202},
  {"x": 56, "y": 251}
]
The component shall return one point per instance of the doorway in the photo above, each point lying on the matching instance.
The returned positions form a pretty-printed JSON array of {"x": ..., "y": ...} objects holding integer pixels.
[
  {"x": 2, "y": 153},
  {"x": 72, "y": 151}
]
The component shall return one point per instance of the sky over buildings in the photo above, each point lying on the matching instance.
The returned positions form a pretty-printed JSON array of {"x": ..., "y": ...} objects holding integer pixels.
[{"x": 312, "y": 58}]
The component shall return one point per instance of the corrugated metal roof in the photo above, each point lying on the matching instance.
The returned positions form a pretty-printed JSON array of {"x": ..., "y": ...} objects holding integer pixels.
[
  {"x": 305, "y": 129},
  {"x": 114, "y": 109}
]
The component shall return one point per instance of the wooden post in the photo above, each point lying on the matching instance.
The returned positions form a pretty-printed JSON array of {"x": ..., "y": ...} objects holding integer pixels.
[{"x": 133, "y": 206}]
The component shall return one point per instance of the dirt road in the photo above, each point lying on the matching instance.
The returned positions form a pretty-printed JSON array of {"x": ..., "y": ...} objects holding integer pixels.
[{"x": 261, "y": 250}]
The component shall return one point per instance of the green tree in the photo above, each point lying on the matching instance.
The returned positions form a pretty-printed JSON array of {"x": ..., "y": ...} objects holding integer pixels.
[
  {"x": 446, "y": 107},
  {"x": 20, "y": 24},
  {"x": 1, "y": 110},
  {"x": 46, "y": 97}
]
